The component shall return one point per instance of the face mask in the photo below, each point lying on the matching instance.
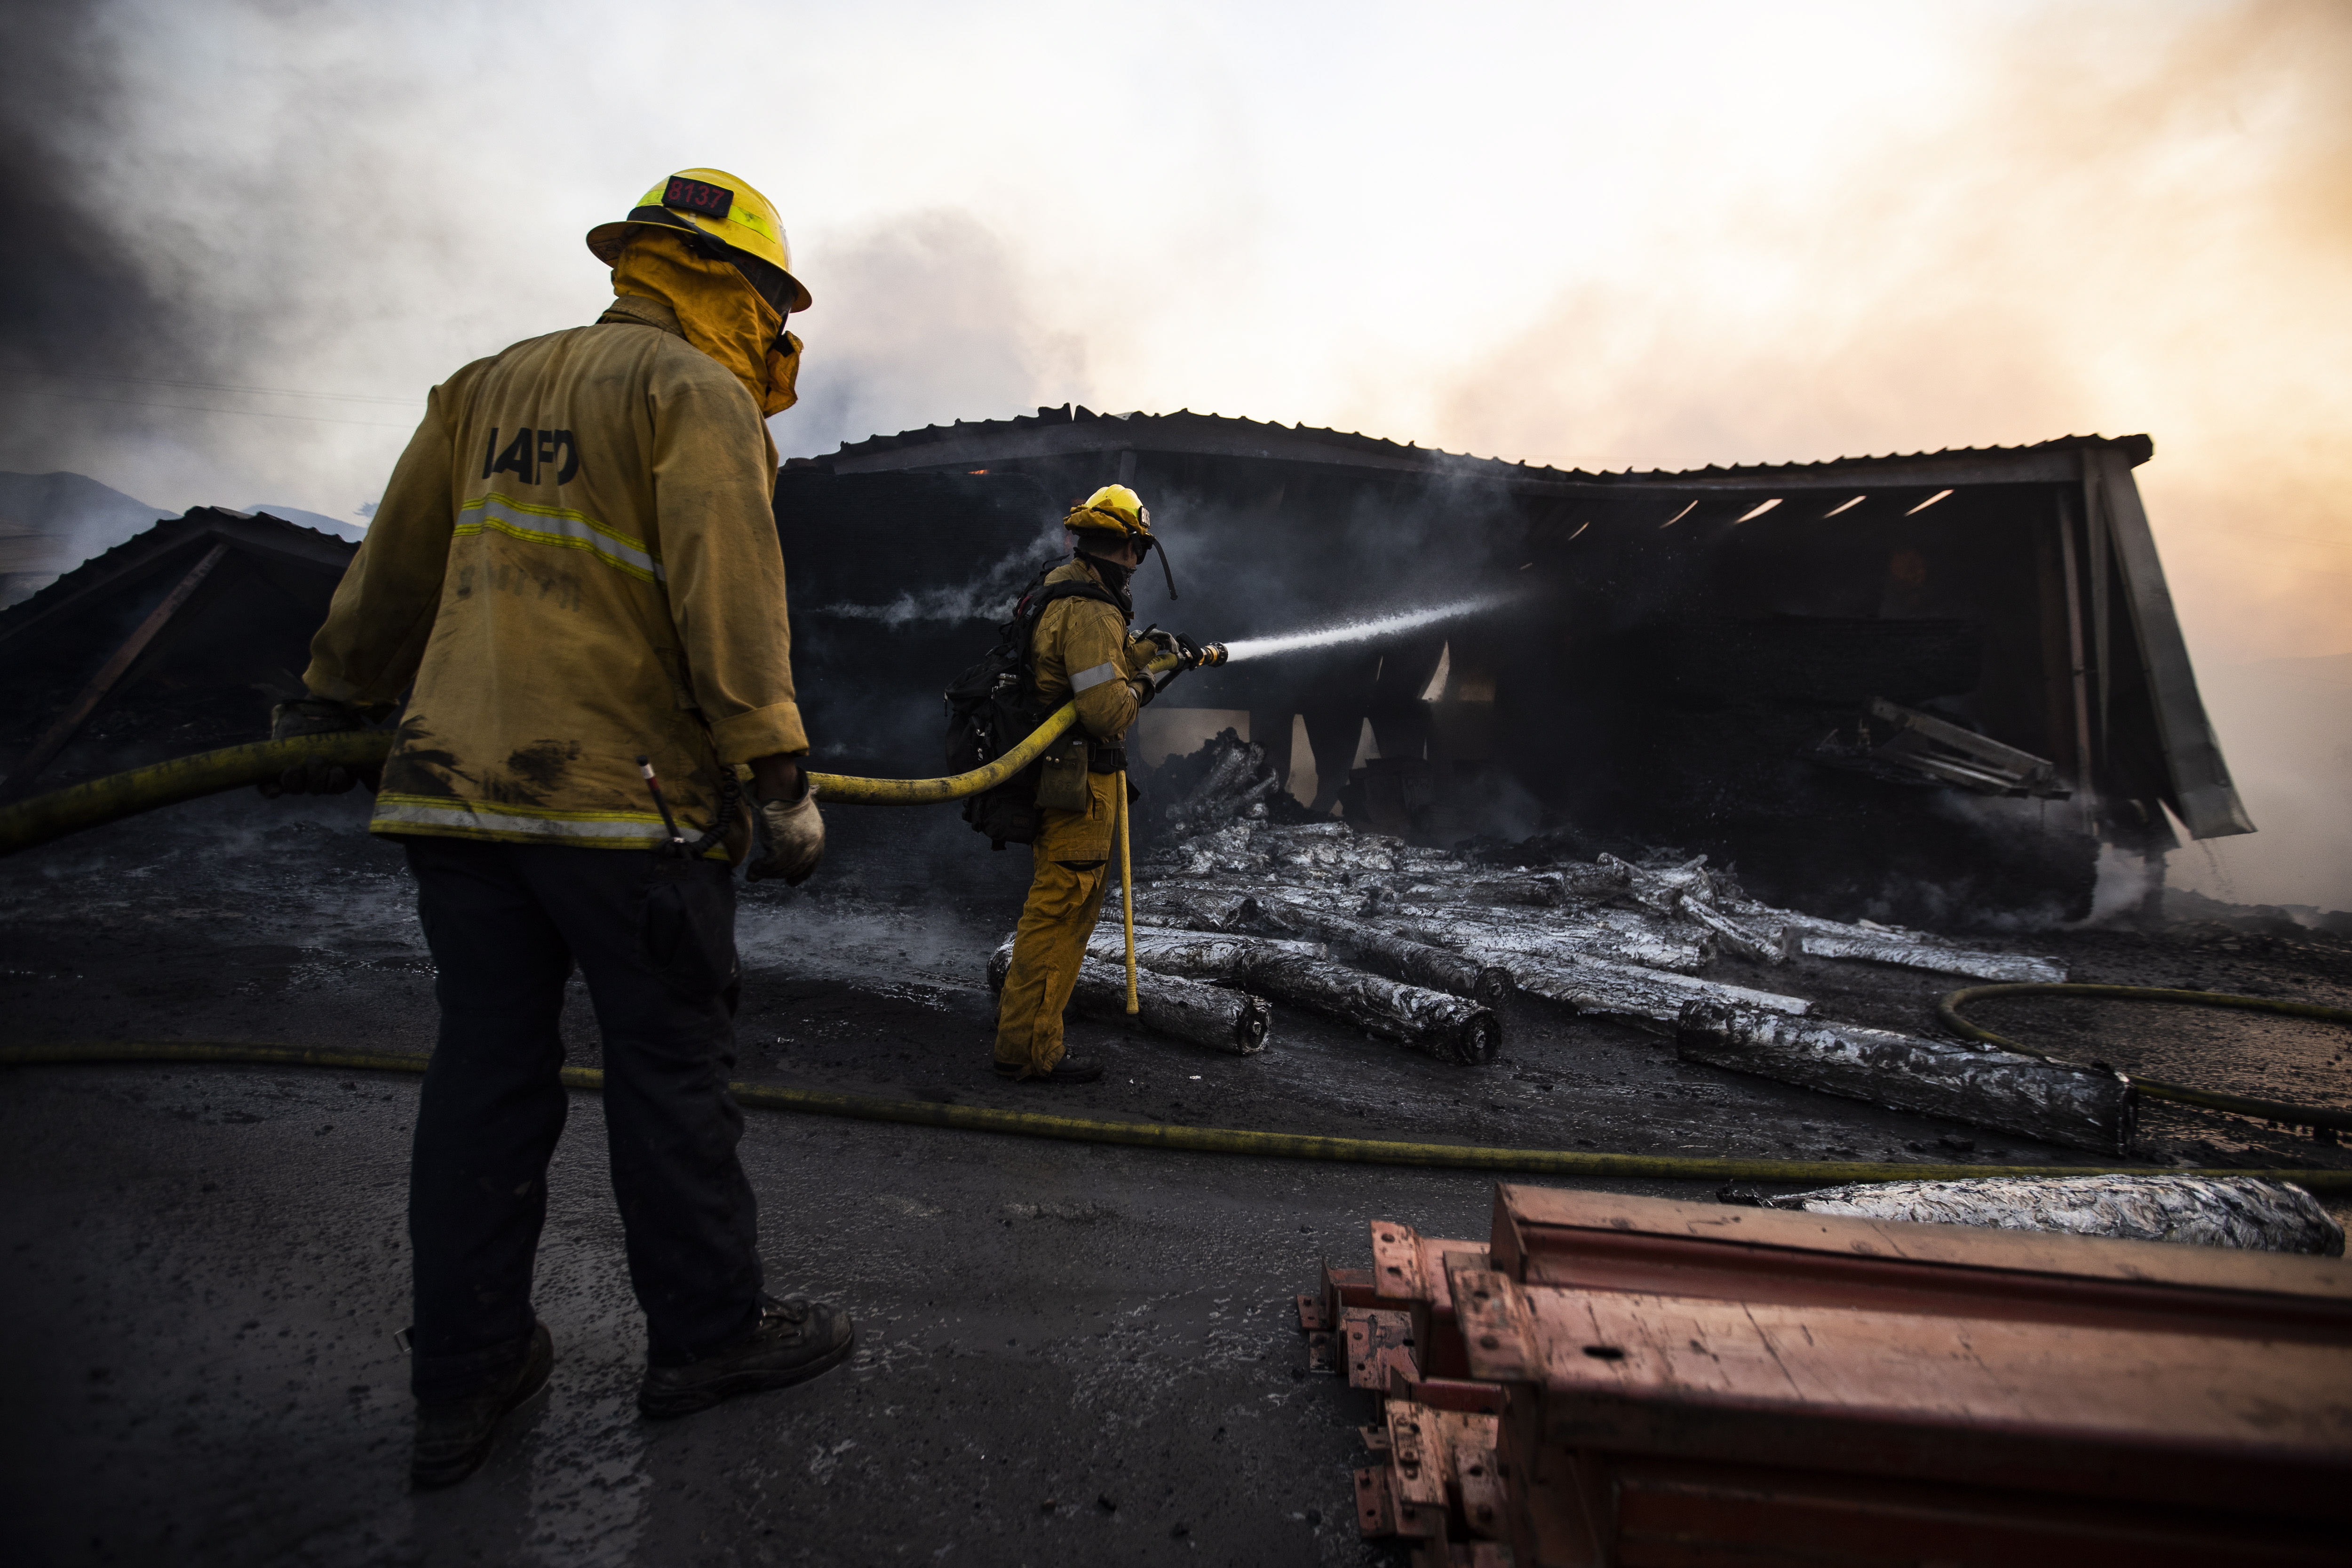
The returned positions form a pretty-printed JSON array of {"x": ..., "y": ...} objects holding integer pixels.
[
  {"x": 783, "y": 371},
  {"x": 1115, "y": 577}
]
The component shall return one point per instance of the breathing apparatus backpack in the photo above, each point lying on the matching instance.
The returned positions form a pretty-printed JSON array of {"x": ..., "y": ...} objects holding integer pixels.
[{"x": 994, "y": 706}]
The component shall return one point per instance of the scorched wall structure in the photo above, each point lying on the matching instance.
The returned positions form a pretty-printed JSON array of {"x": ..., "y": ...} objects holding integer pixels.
[{"x": 1677, "y": 649}]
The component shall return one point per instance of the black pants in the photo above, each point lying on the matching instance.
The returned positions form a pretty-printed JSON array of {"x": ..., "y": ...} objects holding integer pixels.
[{"x": 506, "y": 922}]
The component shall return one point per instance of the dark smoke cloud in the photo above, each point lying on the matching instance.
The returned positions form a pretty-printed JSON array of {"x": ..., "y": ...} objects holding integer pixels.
[
  {"x": 79, "y": 297},
  {"x": 86, "y": 323},
  {"x": 929, "y": 317}
]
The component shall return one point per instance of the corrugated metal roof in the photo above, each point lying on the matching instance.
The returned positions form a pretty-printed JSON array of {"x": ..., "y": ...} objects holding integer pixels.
[{"x": 1187, "y": 429}]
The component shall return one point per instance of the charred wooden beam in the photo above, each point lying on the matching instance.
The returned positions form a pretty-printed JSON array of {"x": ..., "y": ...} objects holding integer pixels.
[
  {"x": 1168, "y": 1004},
  {"x": 1630, "y": 991},
  {"x": 1190, "y": 910},
  {"x": 1384, "y": 952},
  {"x": 1448, "y": 1027},
  {"x": 2057, "y": 1102},
  {"x": 1872, "y": 947},
  {"x": 1301, "y": 974},
  {"x": 1196, "y": 955},
  {"x": 1555, "y": 942}
]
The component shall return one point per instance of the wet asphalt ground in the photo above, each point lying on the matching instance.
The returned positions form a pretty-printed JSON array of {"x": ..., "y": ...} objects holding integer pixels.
[{"x": 1067, "y": 1352}]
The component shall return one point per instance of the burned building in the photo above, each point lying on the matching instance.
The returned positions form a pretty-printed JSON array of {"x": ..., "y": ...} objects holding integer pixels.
[
  {"x": 174, "y": 641},
  {"x": 1930, "y": 685},
  {"x": 1926, "y": 686}
]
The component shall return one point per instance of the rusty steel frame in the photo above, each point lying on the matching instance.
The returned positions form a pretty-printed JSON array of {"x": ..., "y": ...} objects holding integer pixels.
[{"x": 1974, "y": 1396}]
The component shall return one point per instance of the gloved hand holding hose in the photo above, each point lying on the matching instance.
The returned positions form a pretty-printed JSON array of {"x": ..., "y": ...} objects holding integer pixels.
[
  {"x": 1171, "y": 645},
  {"x": 317, "y": 716},
  {"x": 788, "y": 835}
]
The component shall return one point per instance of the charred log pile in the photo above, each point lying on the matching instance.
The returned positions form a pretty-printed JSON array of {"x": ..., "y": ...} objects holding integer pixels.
[{"x": 1418, "y": 946}]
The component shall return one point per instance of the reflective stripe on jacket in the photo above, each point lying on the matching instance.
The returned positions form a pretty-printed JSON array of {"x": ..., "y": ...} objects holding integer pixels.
[
  {"x": 1081, "y": 647},
  {"x": 575, "y": 562}
]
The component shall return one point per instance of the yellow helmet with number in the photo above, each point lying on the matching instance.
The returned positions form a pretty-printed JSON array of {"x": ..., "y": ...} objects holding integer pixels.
[{"x": 714, "y": 203}]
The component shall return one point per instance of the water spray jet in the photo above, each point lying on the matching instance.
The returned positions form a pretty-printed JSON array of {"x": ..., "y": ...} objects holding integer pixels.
[{"x": 1365, "y": 630}]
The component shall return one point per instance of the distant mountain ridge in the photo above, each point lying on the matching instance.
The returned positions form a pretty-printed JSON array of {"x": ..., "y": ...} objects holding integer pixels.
[{"x": 50, "y": 523}]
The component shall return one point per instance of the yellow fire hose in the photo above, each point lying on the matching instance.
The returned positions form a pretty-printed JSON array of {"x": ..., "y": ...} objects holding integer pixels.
[
  {"x": 1948, "y": 1012},
  {"x": 1159, "y": 1135},
  {"x": 27, "y": 823},
  {"x": 1127, "y": 896}
]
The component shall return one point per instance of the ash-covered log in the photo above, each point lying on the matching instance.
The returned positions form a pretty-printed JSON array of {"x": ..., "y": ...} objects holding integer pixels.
[
  {"x": 2198, "y": 1211},
  {"x": 1384, "y": 952},
  {"x": 1169, "y": 1005},
  {"x": 1187, "y": 909},
  {"x": 1871, "y": 947},
  {"x": 1302, "y": 974},
  {"x": 1630, "y": 991},
  {"x": 1555, "y": 942},
  {"x": 2057, "y": 1102},
  {"x": 1448, "y": 1027},
  {"x": 1195, "y": 956}
]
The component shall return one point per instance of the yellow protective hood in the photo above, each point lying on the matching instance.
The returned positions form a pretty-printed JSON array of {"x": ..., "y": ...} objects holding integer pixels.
[{"x": 718, "y": 309}]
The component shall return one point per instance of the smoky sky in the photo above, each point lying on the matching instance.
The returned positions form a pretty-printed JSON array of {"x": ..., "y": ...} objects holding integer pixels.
[
  {"x": 79, "y": 296},
  {"x": 1591, "y": 234}
]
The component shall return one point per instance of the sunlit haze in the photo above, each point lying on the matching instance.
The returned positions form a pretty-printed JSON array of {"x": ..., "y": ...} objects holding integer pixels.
[{"x": 1588, "y": 236}]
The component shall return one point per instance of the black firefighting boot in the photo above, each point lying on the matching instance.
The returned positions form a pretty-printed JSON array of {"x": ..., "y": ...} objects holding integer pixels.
[
  {"x": 452, "y": 1437},
  {"x": 794, "y": 1340}
]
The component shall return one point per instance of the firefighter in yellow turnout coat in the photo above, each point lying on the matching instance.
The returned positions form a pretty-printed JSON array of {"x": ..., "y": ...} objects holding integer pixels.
[
  {"x": 574, "y": 572},
  {"x": 1081, "y": 649}
]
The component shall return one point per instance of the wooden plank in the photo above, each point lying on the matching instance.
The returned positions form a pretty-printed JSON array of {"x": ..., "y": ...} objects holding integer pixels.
[
  {"x": 53, "y": 740},
  {"x": 1607, "y": 1241},
  {"x": 2126, "y": 1415}
]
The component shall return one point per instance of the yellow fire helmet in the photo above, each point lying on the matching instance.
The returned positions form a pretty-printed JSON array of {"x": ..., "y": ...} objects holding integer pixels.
[
  {"x": 717, "y": 204},
  {"x": 1115, "y": 509}
]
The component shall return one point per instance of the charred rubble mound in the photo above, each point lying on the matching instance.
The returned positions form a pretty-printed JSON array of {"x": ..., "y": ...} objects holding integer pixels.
[
  {"x": 1228, "y": 779},
  {"x": 1417, "y": 945}
]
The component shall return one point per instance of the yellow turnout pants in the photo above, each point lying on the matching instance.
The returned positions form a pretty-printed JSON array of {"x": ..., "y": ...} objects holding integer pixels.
[{"x": 1073, "y": 865}]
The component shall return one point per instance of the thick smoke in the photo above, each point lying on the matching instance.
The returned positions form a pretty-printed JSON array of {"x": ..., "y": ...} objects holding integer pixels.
[
  {"x": 924, "y": 318},
  {"x": 2157, "y": 238},
  {"x": 85, "y": 328}
]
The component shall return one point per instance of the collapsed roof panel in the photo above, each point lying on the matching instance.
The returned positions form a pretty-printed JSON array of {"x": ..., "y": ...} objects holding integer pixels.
[{"x": 172, "y": 642}]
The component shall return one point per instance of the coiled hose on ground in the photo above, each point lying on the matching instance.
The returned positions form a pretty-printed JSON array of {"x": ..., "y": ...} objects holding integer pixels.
[
  {"x": 1948, "y": 1013},
  {"x": 1159, "y": 1135}
]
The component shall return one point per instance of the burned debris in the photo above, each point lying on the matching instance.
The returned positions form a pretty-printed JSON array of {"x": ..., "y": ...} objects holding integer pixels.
[
  {"x": 1903, "y": 745},
  {"x": 2033, "y": 1097},
  {"x": 2242, "y": 1212},
  {"x": 1169, "y": 1004},
  {"x": 1678, "y": 647},
  {"x": 174, "y": 641},
  {"x": 1416, "y": 946}
]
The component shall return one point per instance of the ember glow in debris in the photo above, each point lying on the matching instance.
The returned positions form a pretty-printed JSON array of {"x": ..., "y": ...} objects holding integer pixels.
[{"x": 1360, "y": 631}]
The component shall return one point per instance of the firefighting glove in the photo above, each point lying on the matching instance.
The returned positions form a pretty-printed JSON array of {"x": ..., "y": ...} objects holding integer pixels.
[
  {"x": 1175, "y": 645},
  {"x": 317, "y": 716},
  {"x": 1146, "y": 688},
  {"x": 788, "y": 838}
]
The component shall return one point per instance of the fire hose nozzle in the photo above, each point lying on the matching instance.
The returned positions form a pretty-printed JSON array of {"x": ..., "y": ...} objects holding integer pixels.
[{"x": 1211, "y": 653}]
